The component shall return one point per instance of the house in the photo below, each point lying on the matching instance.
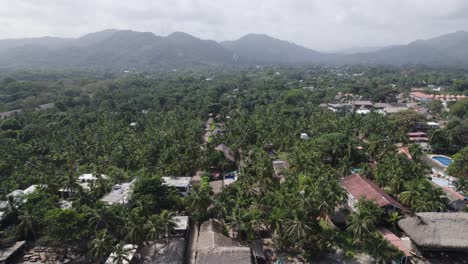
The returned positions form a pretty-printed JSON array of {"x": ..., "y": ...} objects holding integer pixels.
[
  {"x": 8, "y": 253},
  {"x": 279, "y": 166},
  {"x": 421, "y": 97},
  {"x": 130, "y": 253},
  {"x": 46, "y": 106},
  {"x": 87, "y": 179},
  {"x": 228, "y": 153},
  {"x": 213, "y": 247},
  {"x": 33, "y": 188},
  {"x": 359, "y": 187},
  {"x": 10, "y": 113},
  {"x": 395, "y": 241},
  {"x": 167, "y": 251},
  {"x": 405, "y": 151},
  {"x": 456, "y": 200},
  {"x": 304, "y": 136},
  {"x": 437, "y": 231},
  {"x": 182, "y": 184},
  {"x": 181, "y": 225},
  {"x": 120, "y": 194}
]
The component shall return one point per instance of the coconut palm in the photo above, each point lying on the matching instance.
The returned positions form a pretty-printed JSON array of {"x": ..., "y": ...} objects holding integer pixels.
[
  {"x": 154, "y": 228},
  {"x": 28, "y": 224},
  {"x": 101, "y": 246},
  {"x": 121, "y": 253}
]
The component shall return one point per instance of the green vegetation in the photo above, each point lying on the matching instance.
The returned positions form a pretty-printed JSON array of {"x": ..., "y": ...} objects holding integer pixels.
[{"x": 264, "y": 113}]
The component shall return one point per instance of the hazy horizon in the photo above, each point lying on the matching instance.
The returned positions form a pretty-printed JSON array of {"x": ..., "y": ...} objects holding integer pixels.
[{"x": 319, "y": 25}]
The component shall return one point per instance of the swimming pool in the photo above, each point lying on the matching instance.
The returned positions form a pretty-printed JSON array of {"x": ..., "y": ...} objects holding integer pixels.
[{"x": 446, "y": 161}]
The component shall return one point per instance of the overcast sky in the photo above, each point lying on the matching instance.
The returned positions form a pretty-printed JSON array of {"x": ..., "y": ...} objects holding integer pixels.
[{"x": 317, "y": 24}]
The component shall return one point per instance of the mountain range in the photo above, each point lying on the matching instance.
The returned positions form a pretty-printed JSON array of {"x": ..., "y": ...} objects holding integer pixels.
[{"x": 126, "y": 49}]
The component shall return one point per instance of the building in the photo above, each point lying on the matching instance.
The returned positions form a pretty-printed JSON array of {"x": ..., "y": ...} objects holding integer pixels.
[
  {"x": 213, "y": 247},
  {"x": 10, "y": 113},
  {"x": 120, "y": 194},
  {"x": 181, "y": 225},
  {"x": 456, "y": 201},
  {"x": 87, "y": 180},
  {"x": 304, "y": 136},
  {"x": 7, "y": 254},
  {"x": 395, "y": 241},
  {"x": 437, "y": 231},
  {"x": 183, "y": 184},
  {"x": 421, "y": 97},
  {"x": 167, "y": 251},
  {"x": 359, "y": 187},
  {"x": 228, "y": 153},
  {"x": 405, "y": 151},
  {"x": 279, "y": 166}
]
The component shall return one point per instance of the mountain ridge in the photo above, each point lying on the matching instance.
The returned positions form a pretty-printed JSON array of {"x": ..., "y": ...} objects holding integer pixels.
[{"x": 122, "y": 49}]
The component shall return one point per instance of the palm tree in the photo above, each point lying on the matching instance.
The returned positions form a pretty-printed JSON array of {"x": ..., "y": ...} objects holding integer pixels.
[
  {"x": 101, "y": 246},
  {"x": 412, "y": 193},
  {"x": 363, "y": 221},
  {"x": 154, "y": 228},
  {"x": 461, "y": 185},
  {"x": 297, "y": 228},
  {"x": 120, "y": 254},
  {"x": 166, "y": 222},
  {"x": 28, "y": 223}
]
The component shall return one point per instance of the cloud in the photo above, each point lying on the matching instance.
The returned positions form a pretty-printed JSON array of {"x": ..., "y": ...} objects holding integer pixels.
[{"x": 317, "y": 24}]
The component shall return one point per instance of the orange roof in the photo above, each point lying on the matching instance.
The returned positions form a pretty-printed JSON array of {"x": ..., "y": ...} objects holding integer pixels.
[
  {"x": 405, "y": 150},
  {"x": 394, "y": 240},
  {"x": 422, "y": 95},
  {"x": 459, "y": 196},
  {"x": 361, "y": 187}
]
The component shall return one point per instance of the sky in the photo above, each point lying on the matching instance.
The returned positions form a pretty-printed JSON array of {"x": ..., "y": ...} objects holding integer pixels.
[{"x": 324, "y": 25}]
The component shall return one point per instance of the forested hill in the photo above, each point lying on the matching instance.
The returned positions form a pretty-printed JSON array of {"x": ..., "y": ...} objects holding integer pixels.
[{"x": 127, "y": 50}]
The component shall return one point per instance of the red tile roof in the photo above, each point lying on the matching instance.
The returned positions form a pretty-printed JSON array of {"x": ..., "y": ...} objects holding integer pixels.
[
  {"x": 416, "y": 134},
  {"x": 405, "y": 150},
  {"x": 453, "y": 192},
  {"x": 360, "y": 187},
  {"x": 422, "y": 95},
  {"x": 394, "y": 240}
]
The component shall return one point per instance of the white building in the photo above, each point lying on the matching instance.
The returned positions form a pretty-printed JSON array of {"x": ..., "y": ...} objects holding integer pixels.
[
  {"x": 120, "y": 194},
  {"x": 182, "y": 184}
]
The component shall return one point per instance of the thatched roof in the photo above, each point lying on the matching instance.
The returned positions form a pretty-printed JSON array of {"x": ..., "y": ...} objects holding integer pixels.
[
  {"x": 214, "y": 247},
  {"x": 437, "y": 230}
]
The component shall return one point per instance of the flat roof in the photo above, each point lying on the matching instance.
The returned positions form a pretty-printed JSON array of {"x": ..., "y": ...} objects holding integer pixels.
[
  {"x": 181, "y": 222},
  {"x": 120, "y": 193},
  {"x": 177, "y": 181}
]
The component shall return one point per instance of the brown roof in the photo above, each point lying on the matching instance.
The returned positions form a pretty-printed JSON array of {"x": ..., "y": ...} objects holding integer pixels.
[
  {"x": 405, "y": 150},
  {"x": 439, "y": 231},
  {"x": 361, "y": 187},
  {"x": 394, "y": 240},
  {"x": 214, "y": 247}
]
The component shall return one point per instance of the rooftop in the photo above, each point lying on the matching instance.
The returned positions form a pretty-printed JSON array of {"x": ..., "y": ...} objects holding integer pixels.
[
  {"x": 120, "y": 194},
  {"x": 360, "y": 187},
  {"x": 177, "y": 181},
  {"x": 439, "y": 231},
  {"x": 228, "y": 154},
  {"x": 182, "y": 222},
  {"x": 214, "y": 247},
  {"x": 394, "y": 240}
]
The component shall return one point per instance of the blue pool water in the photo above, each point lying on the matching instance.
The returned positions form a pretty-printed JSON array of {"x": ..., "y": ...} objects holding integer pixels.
[{"x": 444, "y": 160}]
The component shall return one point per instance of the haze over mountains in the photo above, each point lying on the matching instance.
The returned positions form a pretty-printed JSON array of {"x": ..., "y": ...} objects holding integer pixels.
[{"x": 125, "y": 49}]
